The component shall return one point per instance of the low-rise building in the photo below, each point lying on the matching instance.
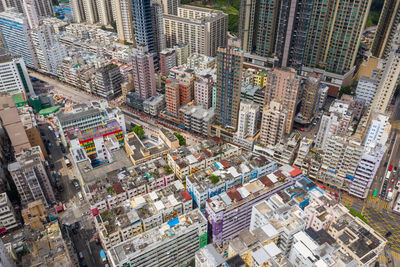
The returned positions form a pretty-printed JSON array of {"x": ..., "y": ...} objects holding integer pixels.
[
  {"x": 35, "y": 215},
  {"x": 197, "y": 119},
  {"x": 223, "y": 175},
  {"x": 200, "y": 62},
  {"x": 188, "y": 160},
  {"x": 48, "y": 249},
  {"x": 154, "y": 105},
  {"x": 140, "y": 151},
  {"x": 230, "y": 212},
  {"x": 366, "y": 89},
  {"x": 141, "y": 213},
  {"x": 174, "y": 242}
]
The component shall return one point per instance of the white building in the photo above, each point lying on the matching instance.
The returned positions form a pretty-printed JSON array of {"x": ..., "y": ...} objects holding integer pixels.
[
  {"x": 340, "y": 161},
  {"x": 173, "y": 243},
  {"x": 366, "y": 170},
  {"x": 388, "y": 80},
  {"x": 366, "y": 89},
  {"x": 7, "y": 216},
  {"x": 201, "y": 62},
  {"x": 14, "y": 77},
  {"x": 336, "y": 122},
  {"x": 49, "y": 52},
  {"x": 272, "y": 123},
  {"x": 378, "y": 132},
  {"x": 248, "y": 118},
  {"x": 279, "y": 216}
]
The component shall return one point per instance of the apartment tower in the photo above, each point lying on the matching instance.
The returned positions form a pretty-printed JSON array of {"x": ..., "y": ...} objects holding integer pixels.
[
  {"x": 122, "y": 13},
  {"x": 203, "y": 29},
  {"x": 142, "y": 21},
  {"x": 143, "y": 72},
  {"x": 229, "y": 80},
  {"x": 272, "y": 123},
  {"x": 387, "y": 25},
  {"x": 284, "y": 85}
]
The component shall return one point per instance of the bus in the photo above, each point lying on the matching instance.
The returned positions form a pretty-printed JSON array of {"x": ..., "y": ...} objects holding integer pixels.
[{"x": 375, "y": 193}]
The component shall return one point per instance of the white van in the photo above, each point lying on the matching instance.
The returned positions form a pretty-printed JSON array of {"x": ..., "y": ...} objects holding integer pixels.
[{"x": 80, "y": 196}]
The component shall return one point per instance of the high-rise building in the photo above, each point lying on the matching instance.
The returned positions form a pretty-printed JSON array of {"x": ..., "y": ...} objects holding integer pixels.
[
  {"x": 15, "y": 32},
  {"x": 122, "y": 13},
  {"x": 142, "y": 21},
  {"x": 310, "y": 96},
  {"x": 143, "y": 72},
  {"x": 14, "y": 77},
  {"x": 30, "y": 177},
  {"x": 203, "y": 29},
  {"x": 203, "y": 90},
  {"x": 178, "y": 92},
  {"x": 284, "y": 86},
  {"x": 31, "y": 13},
  {"x": 167, "y": 61},
  {"x": 14, "y": 3},
  {"x": 229, "y": 81},
  {"x": 248, "y": 118},
  {"x": 158, "y": 26},
  {"x": 388, "y": 80},
  {"x": 272, "y": 123},
  {"x": 267, "y": 24},
  {"x": 91, "y": 12},
  {"x": 387, "y": 25},
  {"x": 78, "y": 11},
  {"x": 171, "y": 6},
  {"x": 293, "y": 24},
  {"x": 104, "y": 10},
  {"x": 334, "y": 34},
  {"x": 304, "y": 32},
  {"x": 108, "y": 81},
  {"x": 248, "y": 21},
  {"x": 7, "y": 214},
  {"x": 49, "y": 52}
]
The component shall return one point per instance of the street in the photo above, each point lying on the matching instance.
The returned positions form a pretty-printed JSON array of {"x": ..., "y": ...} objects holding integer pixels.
[{"x": 83, "y": 239}]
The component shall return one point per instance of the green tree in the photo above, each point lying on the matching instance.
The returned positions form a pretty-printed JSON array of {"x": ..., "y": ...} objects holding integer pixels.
[
  {"x": 182, "y": 140},
  {"x": 138, "y": 130}
]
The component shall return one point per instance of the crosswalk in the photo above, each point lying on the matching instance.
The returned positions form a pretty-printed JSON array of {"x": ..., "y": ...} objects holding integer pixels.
[
  {"x": 378, "y": 203},
  {"x": 382, "y": 259},
  {"x": 396, "y": 256}
]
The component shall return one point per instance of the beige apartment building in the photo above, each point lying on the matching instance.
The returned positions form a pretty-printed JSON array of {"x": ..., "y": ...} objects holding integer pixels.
[
  {"x": 283, "y": 85},
  {"x": 122, "y": 13},
  {"x": 273, "y": 123},
  {"x": 203, "y": 29}
]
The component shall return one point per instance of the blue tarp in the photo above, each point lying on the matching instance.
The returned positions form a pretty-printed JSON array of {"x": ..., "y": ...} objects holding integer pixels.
[{"x": 173, "y": 222}]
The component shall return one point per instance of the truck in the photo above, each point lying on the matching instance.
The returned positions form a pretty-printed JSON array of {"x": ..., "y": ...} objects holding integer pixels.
[
  {"x": 390, "y": 195},
  {"x": 67, "y": 161},
  {"x": 103, "y": 255}
]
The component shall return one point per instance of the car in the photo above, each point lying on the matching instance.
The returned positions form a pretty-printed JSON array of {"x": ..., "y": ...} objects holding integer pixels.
[
  {"x": 392, "y": 181},
  {"x": 388, "y": 234},
  {"x": 80, "y": 255},
  {"x": 390, "y": 189},
  {"x": 62, "y": 149},
  {"x": 75, "y": 183}
]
